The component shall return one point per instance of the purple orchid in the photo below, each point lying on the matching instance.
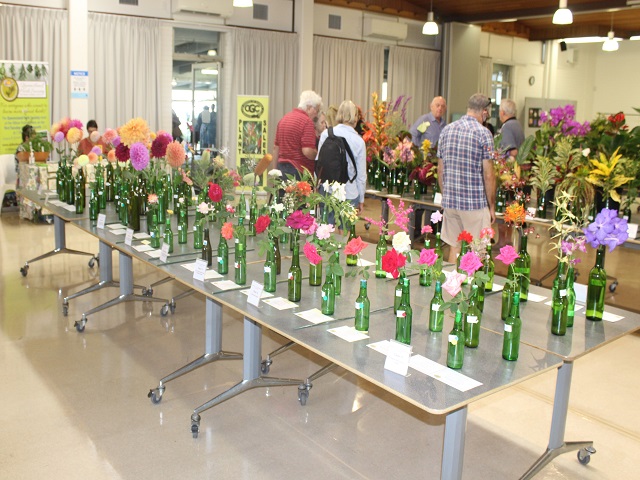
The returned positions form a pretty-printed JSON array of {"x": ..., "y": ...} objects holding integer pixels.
[{"x": 607, "y": 229}]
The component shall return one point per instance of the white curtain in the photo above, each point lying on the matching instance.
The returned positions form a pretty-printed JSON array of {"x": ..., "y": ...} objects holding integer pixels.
[
  {"x": 124, "y": 54},
  {"x": 484, "y": 76},
  {"x": 39, "y": 34},
  {"x": 259, "y": 63},
  {"x": 415, "y": 73},
  {"x": 347, "y": 70}
]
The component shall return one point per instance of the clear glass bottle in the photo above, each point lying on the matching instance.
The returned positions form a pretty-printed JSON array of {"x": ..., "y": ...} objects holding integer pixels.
[
  {"x": 404, "y": 315},
  {"x": 512, "y": 327},
  {"x": 328, "y": 296},
  {"x": 596, "y": 288},
  {"x": 436, "y": 312},
  {"x": 570, "y": 311},
  {"x": 381, "y": 249},
  {"x": 223, "y": 256},
  {"x": 295, "y": 276},
  {"x": 455, "y": 347},
  {"x": 523, "y": 268},
  {"x": 558, "y": 306},
  {"x": 270, "y": 270},
  {"x": 471, "y": 320},
  {"x": 352, "y": 260},
  {"x": 168, "y": 234},
  {"x": 207, "y": 251},
  {"x": 363, "y": 307},
  {"x": 489, "y": 269}
]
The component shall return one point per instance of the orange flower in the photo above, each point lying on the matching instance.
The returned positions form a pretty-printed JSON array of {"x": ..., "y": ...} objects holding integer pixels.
[
  {"x": 303, "y": 188},
  {"x": 135, "y": 130},
  {"x": 227, "y": 230},
  {"x": 93, "y": 158},
  {"x": 111, "y": 156},
  {"x": 175, "y": 154},
  {"x": 514, "y": 214},
  {"x": 74, "y": 135}
]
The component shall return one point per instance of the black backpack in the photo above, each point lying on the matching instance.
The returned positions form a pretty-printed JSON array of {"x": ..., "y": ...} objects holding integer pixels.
[{"x": 332, "y": 160}]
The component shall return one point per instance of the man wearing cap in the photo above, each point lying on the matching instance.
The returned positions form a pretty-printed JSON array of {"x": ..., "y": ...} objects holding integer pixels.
[{"x": 466, "y": 176}]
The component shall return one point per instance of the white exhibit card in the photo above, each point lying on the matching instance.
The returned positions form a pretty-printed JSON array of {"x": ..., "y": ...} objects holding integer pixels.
[
  {"x": 211, "y": 274},
  {"x": 575, "y": 309},
  {"x": 496, "y": 287},
  {"x": 200, "y": 268},
  {"x": 382, "y": 346},
  {"x": 350, "y": 334},
  {"x": 444, "y": 374},
  {"x": 189, "y": 266},
  {"x": 120, "y": 231},
  {"x": 437, "y": 198},
  {"x": 611, "y": 317},
  {"x": 164, "y": 252},
  {"x": 314, "y": 316},
  {"x": 280, "y": 303},
  {"x": 364, "y": 263},
  {"x": 128, "y": 237},
  {"x": 102, "y": 219},
  {"x": 632, "y": 230},
  {"x": 262, "y": 295},
  {"x": 142, "y": 248},
  {"x": 255, "y": 293},
  {"x": 398, "y": 356},
  {"x": 154, "y": 253},
  {"x": 116, "y": 226},
  {"x": 224, "y": 284},
  {"x": 71, "y": 208},
  {"x": 532, "y": 297},
  {"x": 141, "y": 235}
]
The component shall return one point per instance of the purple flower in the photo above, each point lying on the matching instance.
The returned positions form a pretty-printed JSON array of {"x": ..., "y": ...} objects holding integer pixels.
[
  {"x": 566, "y": 247},
  {"x": 139, "y": 156},
  {"x": 116, "y": 141},
  {"x": 607, "y": 229},
  {"x": 58, "y": 137},
  {"x": 97, "y": 150}
]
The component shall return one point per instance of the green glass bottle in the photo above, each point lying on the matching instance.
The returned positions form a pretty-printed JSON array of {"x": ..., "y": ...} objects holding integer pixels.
[
  {"x": 198, "y": 235},
  {"x": 183, "y": 226},
  {"x": 463, "y": 249},
  {"x": 242, "y": 208},
  {"x": 436, "y": 312},
  {"x": 168, "y": 234},
  {"x": 436, "y": 190},
  {"x": 558, "y": 306},
  {"x": 315, "y": 274},
  {"x": 471, "y": 320},
  {"x": 404, "y": 315},
  {"x": 507, "y": 293},
  {"x": 328, "y": 295},
  {"x": 276, "y": 254},
  {"x": 71, "y": 189},
  {"x": 93, "y": 204},
  {"x": 397, "y": 299},
  {"x": 207, "y": 250},
  {"x": 512, "y": 327},
  {"x": 240, "y": 265},
  {"x": 154, "y": 231},
  {"x": 60, "y": 180},
  {"x": 253, "y": 213},
  {"x": 596, "y": 288},
  {"x": 102, "y": 195},
  {"x": 295, "y": 276},
  {"x": 425, "y": 278},
  {"x": 109, "y": 185},
  {"x": 162, "y": 201},
  {"x": 363, "y": 307},
  {"x": 455, "y": 347},
  {"x": 523, "y": 267},
  {"x": 381, "y": 249},
  {"x": 352, "y": 260},
  {"x": 284, "y": 238},
  {"x": 270, "y": 272},
  {"x": 500, "y": 201},
  {"x": 223, "y": 256},
  {"x": 80, "y": 198},
  {"x": 570, "y": 311},
  {"x": 489, "y": 269},
  {"x": 337, "y": 279},
  {"x": 133, "y": 209},
  {"x": 438, "y": 247}
]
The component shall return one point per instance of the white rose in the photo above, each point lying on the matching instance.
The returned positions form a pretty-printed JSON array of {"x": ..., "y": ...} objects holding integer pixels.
[
  {"x": 401, "y": 242},
  {"x": 278, "y": 207}
]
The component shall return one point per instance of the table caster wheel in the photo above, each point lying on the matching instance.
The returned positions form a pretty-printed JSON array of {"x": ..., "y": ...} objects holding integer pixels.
[
  {"x": 367, "y": 226},
  {"x": 147, "y": 292},
  {"x": 195, "y": 425},
  {"x": 303, "y": 394},
  {"x": 172, "y": 307},
  {"x": 80, "y": 324},
  {"x": 65, "y": 309},
  {"x": 164, "y": 310},
  {"x": 24, "y": 270},
  {"x": 195, "y": 430},
  {"x": 155, "y": 395},
  {"x": 92, "y": 263},
  {"x": 265, "y": 366},
  {"x": 584, "y": 455},
  {"x": 613, "y": 286}
]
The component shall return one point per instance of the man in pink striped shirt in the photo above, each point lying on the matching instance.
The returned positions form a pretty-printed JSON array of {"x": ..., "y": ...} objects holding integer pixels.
[{"x": 295, "y": 143}]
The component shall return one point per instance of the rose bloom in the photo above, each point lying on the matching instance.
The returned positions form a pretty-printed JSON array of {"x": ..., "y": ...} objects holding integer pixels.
[
  {"x": 262, "y": 223},
  {"x": 401, "y": 242},
  {"x": 470, "y": 263},
  {"x": 215, "y": 192},
  {"x": 311, "y": 229},
  {"x": 426, "y": 228},
  {"x": 311, "y": 252},
  {"x": 436, "y": 217},
  {"x": 392, "y": 261},
  {"x": 428, "y": 257},
  {"x": 299, "y": 220},
  {"x": 203, "y": 208},
  {"x": 355, "y": 246},
  {"x": 465, "y": 236},
  {"x": 324, "y": 231},
  {"x": 487, "y": 232},
  {"x": 452, "y": 285},
  {"x": 152, "y": 198},
  {"x": 507, "y": 255},
  {"x": 230, "y": 209},
  {"x": 227, "y": 230}
]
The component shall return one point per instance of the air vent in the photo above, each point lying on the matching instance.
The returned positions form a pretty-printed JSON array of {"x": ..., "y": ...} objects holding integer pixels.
[
  {"x": 129, "y": 2},
  {"x": 260, "y": 12},
  {"x": 335, "y": 22}
]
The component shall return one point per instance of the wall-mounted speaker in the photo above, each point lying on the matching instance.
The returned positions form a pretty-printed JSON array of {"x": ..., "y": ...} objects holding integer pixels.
[{"x": 563, "y": 46}]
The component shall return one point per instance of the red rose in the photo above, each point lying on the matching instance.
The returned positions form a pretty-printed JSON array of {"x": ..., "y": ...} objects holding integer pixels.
[
  {"x": 392, "y": 261},
  {"x": 262, "y": 223},
  {"x": 215, "y": 192},
  {"x": 465, "y": 237}
]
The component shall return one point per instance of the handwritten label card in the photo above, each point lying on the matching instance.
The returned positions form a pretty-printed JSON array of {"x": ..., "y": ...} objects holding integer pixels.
[
  {"x": 102, "y": 218},
  {"x": 255, "y": 293},
  {"x": 200, "y": 269},
  {"x": 128, "y": 237},
  {"x": 164, "y": 252},
  {"x": 437, "y": 199},
  {"x": 398, "y": 356}
]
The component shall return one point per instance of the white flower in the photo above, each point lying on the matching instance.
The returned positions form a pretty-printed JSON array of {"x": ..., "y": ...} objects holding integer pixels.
[
  {"x": 338, "y": 191},
  {"x": 586, "y": 152},
  {"x": 278, "y": 207},
  {"x": 224, "y": 151},
  {"x": 531, "y": 211},
  {"x": 326, "y": 187},
  {"x": 275, "y": 173},
  {"x": 203, "y": 208},
  {"x": 401, "y": 242}
]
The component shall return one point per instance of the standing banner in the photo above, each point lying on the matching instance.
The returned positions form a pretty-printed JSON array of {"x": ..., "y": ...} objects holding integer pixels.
[
  {"x": 24, "y": 99},
  {"x": 252, "y": 133}
]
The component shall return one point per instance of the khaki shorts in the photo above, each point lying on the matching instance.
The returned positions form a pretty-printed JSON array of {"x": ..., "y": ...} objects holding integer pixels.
[{"x": 455, "y": 221}]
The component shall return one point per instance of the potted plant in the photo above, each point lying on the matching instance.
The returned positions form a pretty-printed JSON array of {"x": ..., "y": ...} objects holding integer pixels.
[{"x": 40, "y": 146}]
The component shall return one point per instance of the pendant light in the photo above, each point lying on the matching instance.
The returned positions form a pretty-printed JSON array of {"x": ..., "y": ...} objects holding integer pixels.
[
  {"x": 430, "y": 27},
  {"x": 610, "y": 44},
  {"x": 563, "y": 15},
  {"x": 243, "y": 3}
]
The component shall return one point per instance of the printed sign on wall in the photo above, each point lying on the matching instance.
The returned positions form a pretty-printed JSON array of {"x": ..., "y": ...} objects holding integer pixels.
[{"x": 252, "y": 133}]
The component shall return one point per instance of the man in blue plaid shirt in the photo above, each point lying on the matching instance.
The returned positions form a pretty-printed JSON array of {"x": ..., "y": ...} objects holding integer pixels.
[{"x": 466, "y": 176}]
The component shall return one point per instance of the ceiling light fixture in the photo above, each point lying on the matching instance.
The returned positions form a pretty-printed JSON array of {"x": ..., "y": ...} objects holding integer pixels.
[
  {"x": 430, "y": 27},
  {"x": 563, "y": 15},
  {"x": 610, "y": 44},
  {"x": 243, "y": 3}
]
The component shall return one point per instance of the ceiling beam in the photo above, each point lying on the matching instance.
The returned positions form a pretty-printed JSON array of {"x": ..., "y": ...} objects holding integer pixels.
[{"x": 554, "y": 33}]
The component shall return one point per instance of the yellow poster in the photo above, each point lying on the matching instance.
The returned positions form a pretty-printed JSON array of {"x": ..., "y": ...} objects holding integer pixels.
[
  {"x": 252, "y": 133},
  {"x": 24, "y": 100}
]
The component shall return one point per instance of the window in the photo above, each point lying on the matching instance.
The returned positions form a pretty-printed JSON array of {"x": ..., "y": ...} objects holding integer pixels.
[{"x": 500, "y": 89}]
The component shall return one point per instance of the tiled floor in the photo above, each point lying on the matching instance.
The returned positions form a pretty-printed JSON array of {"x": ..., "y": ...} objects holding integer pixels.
[{"x": 75, "y": 406}]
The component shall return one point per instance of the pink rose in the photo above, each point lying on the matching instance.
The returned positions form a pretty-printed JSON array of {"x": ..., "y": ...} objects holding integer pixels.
[
  {"x": 507, "y": 255},
  {"x": 311, "y": 229},
  {"x": 300, "y": 220},
  {"x": 427, "y": 229},
  {"x": 470, "y": 263},
  {"x": 324, "y": 231},
  {"x": 453, "y": 283},
  {"x": 355, "y": 246},
  {"x": 436, "y": 216},
  {"x": 311, "y": 252},
  {"x": 428, "y": 257}
]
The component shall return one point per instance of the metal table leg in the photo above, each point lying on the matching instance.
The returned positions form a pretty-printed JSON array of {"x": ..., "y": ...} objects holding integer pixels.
[
  {"x": 212, "y": 350},
  {"x": 60, "y": 246},
  {"x": 557, "y": 445},
  {"x": 251, "y": 374},
  {"x": 126, "y": 292},
  {"x": 453, "y": 448}
]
